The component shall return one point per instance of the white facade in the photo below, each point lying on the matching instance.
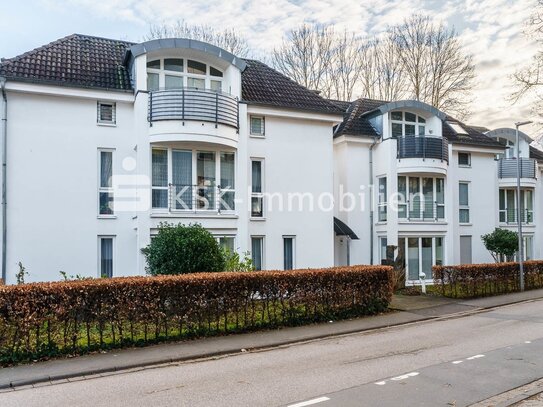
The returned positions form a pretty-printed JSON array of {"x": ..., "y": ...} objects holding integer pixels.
[
  {"x": 91, "y": 173},
  {"x": 54, "y": 146},
  {"x": 446, "y": 226}
]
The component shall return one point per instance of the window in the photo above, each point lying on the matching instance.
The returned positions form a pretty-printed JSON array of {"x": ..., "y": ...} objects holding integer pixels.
[
  {"x": 464, "y": 159},
  {"x": 105, "y": 256},
  {"x": 195, "y": 180},
  {"x": 463, "y": 201},
  {"x": 106, "y": 113},
  {"x": 528, "y": 247},
  {"x": 159, "y": 189},
  {"x": 421, "y": 198},
  {"x": 510, "y": 148},
  {"x": 227, "y": 185},
  {"x": 457, "y": 127},
  {"x": 508, "y": 206},
  {"x": 257, "y": 210},
  {"x": 407, "y": 124},
  {"x": 382, "y": 199},
  {"x": 465, "y": 250},
  {"x": 257, "y": 126},
  {"x": 383, "y": 249},
  {"x": 105, "y": 188},
  {"x": 228, "y": 243},
  {"x": 257, "y": 252},
  {"x": 422, "y": 254},
  {"x": 288, "y": 252},
  {"x": 177, "y": 73}
]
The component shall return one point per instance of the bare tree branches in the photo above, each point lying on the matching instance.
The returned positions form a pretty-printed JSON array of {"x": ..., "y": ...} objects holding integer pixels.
[
  {"x": 416, "y": 59},
  {"x": 227, "y": 39}
]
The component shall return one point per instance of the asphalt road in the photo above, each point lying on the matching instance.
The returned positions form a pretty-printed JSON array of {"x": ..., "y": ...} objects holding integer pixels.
[{"x": 451, "y": 362}]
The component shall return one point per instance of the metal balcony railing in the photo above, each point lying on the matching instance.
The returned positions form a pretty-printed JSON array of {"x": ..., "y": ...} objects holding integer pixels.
[
  {"x": 195, "y": 198},
  {"x": 507, "y": 168},
  {"x": 423, "y": 147},
  {"x": 510, "y": 216},
  {"x": 421, "y": 211},
  {"x": 193, "y": 104}
]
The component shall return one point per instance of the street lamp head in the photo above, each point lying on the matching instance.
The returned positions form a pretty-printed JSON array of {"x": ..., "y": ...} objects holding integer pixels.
[{"x": 518, "y": 124}]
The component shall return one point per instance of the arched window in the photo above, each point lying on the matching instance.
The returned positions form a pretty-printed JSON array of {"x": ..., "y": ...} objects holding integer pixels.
[
  {"x": 407, "y": 124},
  {"x": 177, "y": 73}
]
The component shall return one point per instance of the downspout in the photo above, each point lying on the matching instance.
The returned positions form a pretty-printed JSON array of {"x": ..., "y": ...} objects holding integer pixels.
[
  {"x": 4, "y": 178},
  {"x": 372, "y": 197}
]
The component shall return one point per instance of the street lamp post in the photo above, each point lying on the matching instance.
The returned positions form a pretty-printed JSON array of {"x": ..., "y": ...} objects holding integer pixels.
[{"x": 519, "y": 210}]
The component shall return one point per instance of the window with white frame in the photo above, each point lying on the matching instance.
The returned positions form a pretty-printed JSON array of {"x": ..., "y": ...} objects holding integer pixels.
[
  {"x": 257, "y": 126},
  {"x": 382, "y": 199},
  {"x": 257, "y": 252},
  {"x": 509, "y": 148},
  {"x": 193, "y": 179},
  {"x": 421, "y": 198},
  {"x": 383, "y": 249},
  {"x": 407, "y": 124},
  {"x": 421, "y": 253},
  {"x": 463, "y": 202},
  {"x": 257, "y": 198},
  {"x": 508, "y": 205},
  {"x": 177, "y": 73},
  {"x": 464, "y": 159},
  {"x": 105, "y": 255},
  {"x": 106, "y": 113},
  {"x": 105, "y": 187},
  {"x": 289, "y": 252},
  {"x": 528, "y": 247}
]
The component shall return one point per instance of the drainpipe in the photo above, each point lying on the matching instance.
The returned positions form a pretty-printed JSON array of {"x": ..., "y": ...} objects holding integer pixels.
[
  {"x": 4, "y": 178},
  {"x": 371, "y": 200}
]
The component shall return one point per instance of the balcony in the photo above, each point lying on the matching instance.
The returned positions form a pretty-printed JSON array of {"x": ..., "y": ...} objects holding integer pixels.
[
  {"x": 193, "y": 104},
  {"x": 509, "y": 216},
  {"x": 507, "y": 168},
  {"x": 423, "y": 147}
]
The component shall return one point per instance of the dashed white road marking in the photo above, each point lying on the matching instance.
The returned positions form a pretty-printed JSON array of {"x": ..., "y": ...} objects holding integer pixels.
[
  {"x": 475, "y": 357},
  {"x": 401, "y": 377},
  {"x": 527, "y": 341},
  {"x": 310, "y": 402},
  {"x": 456, "y": 362}
]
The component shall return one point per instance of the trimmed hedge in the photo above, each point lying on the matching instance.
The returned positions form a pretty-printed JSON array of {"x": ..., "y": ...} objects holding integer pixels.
[
  {"x": 479, "y": 280},
  {"x": 42, "y": 320}
]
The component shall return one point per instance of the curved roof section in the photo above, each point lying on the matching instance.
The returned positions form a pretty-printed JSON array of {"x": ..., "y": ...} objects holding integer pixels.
[
  {"x": 184, "y": 43},
  {"x": 508, "y": 133},
  {"x": 414, "y": 104}
]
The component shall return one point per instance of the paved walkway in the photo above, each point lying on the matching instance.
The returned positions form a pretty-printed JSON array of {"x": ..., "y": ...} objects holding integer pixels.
[{"x": 409, "y": 310}]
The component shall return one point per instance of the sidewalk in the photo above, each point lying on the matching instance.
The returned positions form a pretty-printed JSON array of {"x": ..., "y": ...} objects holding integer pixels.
[{"x": 409, "y": 310}]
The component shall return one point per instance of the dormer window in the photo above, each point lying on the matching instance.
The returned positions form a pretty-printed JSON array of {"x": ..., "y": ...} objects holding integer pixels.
[
  {"x": 407, "y": 124},
  {"x": 178, "y": 73}
]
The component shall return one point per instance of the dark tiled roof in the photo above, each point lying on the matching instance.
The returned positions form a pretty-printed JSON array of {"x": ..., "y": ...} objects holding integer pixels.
[
  {"x": 265, "y": 86},
  {"x": 356, "y": 123},
  {"x": 474, "y": 136},
  {"x": 536, "y": 153},
  {"x": 76, "y": 60},
  {"x": 343, "y": 105},
  {"x": 480, "y": 129}
]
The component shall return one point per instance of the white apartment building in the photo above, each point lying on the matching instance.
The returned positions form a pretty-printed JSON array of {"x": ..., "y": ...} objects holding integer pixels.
[{"x": 103, "y": 140}]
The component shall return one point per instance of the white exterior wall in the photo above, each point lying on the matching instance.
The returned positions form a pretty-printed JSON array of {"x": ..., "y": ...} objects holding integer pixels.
[{"x": 53, "y": 178}]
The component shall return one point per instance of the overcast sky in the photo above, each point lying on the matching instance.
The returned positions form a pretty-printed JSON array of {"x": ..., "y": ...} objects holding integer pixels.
[{"x": 492, "y": 30}]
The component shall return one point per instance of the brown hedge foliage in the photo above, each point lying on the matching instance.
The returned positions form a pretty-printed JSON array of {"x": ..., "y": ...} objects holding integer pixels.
[
  {"x": 41, "y": 320},
  {"x": 478, "y": 280}
]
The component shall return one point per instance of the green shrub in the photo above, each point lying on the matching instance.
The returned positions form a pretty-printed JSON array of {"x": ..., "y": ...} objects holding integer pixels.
[
  {"x": 180, "y": 249},
  {"x": 234, "y": 262},
  {"x": 501, "y": 243},
  {"x": 41, "y": 320}
]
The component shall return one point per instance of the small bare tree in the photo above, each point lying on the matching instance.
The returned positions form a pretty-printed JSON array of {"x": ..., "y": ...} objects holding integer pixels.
[
  {"x": 438, "y": 71},
  {"x": 346, "y": 68},
  {"x": 228, "y": 39},
  {"x": 529, "y": 80},
  {"x": 306, "y": 56}
]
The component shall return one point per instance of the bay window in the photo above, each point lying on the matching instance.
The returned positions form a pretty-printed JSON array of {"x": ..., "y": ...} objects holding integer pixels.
[
  {"x": 422, "y": 254},
  {"x": 421, "y": 198},
  {"x": 194, "y": 180},
  {"x": 177, "y": 73},
  {"x": 508, "y": 205}
]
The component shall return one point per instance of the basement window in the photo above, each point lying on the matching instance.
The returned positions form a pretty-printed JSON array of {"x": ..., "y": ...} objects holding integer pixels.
[{"x": 106, "y": 113}]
